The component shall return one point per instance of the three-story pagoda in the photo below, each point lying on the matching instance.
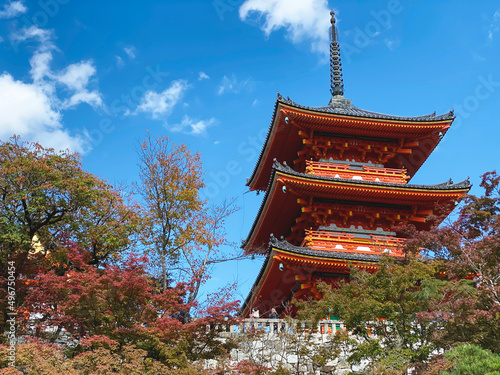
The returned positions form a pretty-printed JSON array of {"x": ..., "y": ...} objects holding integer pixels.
[{"x": 336, "y": 181}]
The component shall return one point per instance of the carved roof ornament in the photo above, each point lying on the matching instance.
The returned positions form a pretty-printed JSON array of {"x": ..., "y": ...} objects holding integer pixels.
[{"x": 336, "y": 79}]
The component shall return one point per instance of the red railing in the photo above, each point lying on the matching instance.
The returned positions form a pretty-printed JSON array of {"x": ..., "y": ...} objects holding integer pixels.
[
  {"x": 350, "y": 242},
  {"x": 364, "y": 172}
]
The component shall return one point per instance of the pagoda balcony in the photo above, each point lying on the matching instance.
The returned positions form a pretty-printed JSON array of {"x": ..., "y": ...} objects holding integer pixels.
[
  {"x": 281, "y": 326},
  {"x": 355, "y": 172},
  {"x": 354, "y": 242}
]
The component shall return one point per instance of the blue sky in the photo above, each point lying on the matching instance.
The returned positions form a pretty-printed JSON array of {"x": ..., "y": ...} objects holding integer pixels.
[{"x": 94, "y": 75}]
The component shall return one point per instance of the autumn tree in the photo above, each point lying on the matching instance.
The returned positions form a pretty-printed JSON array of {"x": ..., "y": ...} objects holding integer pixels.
[
  {"x": 101, "y": 356},
  {"x": 185, "y": 234},
  {"x": 470, "y": 251},
  {"x": 472, "y": 243},
  {"x": 118, "y": 306},
  {"x": 46, "y": 196},
  {"x": 72, "y": 238}
]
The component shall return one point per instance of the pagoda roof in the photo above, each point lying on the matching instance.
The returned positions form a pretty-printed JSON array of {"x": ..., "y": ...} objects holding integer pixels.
[
  {"x": 279, "y": 208},
  {"x": 341, "y": 118},
  {"x": 271, "y": 278},
  {"x": 447, "y": 185},
  {"x": 284, "y": 245},
  {"x": 345, "y": 108}
]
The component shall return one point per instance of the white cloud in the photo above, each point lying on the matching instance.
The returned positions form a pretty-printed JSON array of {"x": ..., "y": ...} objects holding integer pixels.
[
  {"x": 119, "y": 61},
  {"x": 194, "y": 127},
  {"x": 203, "y": 76},
  {"x": 232, "y": 85},
  {"x": 304, "y": 20},
  {"x": 40, "y": 65},
  {"x": 161, "y": 104},
  {"x": 42, "y": 57},
  {"x": 92, "y": 98},
  {"x": 13, "y": 9},
  {"x": 478, "y": 57},
  {"x": 227, "y": 84},
  {"x": 494, "y": 26},
  {"x": 42, "y": 35},
  {"x": 392, "y": 44},
  {"x": 33, "y": 110},
  {"x": 131, "y": 52},
  {"x": 28, "y": 111},
  {"x": 76, "y": 78}
]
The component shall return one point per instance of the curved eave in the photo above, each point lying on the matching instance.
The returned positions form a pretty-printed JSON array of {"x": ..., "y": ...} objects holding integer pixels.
[
  {"x": 357, "y": 126},
  {"x": 282, "y": 141},
  {"x": 324, "y": 187},
  {"x": 283, "y": 147},
  {"x": 344, "y": 107},
  {"x": 273, "y": 286},
  {"x": 270, "y": 217},
  {"x": 279, "y": 207}
]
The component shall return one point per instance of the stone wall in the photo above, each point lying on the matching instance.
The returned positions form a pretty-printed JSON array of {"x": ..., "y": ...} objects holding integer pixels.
[{"x": 299, "y": 347}]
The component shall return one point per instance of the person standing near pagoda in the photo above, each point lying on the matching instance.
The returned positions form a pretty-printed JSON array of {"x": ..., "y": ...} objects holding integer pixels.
[
  {"x": 274, "y": 314},
  {"x": 255, "y": 314}
]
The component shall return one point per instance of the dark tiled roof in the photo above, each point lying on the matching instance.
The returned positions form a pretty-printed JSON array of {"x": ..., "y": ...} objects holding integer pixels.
[
  {"x": 286, "y": 246},
  {"x": 345, "y": 108},
  {"x": 465, "y": 184}
]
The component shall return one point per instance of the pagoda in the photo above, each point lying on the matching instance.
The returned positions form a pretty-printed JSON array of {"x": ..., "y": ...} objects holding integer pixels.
[{"x": 337, "y": 182}]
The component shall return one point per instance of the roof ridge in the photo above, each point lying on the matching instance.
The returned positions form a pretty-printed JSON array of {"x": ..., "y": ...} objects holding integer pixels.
[{"x": 345, "y": 108}]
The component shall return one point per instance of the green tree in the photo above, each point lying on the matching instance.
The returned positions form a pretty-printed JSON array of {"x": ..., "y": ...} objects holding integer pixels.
[
  {"x": 67, "y": 231},
  {"x": 447, "y": 294},
  {"x": 464, "y": 359},
  {"x": 472, "y": 360},
  {"x": 380, "y": 309}
]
